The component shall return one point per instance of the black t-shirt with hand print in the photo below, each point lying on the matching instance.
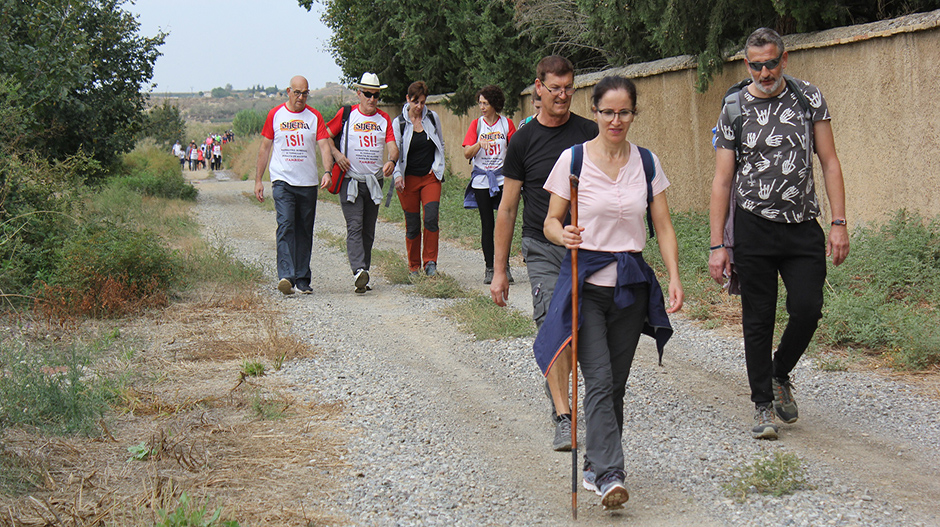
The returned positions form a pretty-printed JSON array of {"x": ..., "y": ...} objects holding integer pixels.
[{"x": 773, "y": 178}]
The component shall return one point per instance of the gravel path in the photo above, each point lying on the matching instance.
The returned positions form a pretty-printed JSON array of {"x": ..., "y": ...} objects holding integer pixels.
[{"x": 446, "y": 430}]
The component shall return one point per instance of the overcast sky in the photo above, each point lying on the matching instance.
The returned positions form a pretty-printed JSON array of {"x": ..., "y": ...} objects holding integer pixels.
[{"x": 212, "y": 43}]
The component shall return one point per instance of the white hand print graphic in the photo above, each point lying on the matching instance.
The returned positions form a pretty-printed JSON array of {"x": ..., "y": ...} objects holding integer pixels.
[
  {"x": 789, "y": 194},
  {"x": 764, "y": 192},
  {"x": 746, "y": 169},
  {"x": 728, "y": 132},
  {"x": 786, "y": 116},
  {"x": 815, "y": 99},
  {"x": 763, "y": 164},
  {"x": 770, "y": 213},
  {"x": 748, "y": 205},
  {"x": 751, "y": 141},
  {"x": 762, "y": 116},
  {"x": 789, "y": 164},
  {"x": 798, "y": 217},
  {"x": 773, "y": 140}
]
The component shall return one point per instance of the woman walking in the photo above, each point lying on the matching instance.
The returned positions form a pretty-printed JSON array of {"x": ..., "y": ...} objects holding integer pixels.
[
  {"x": 418, "y": 176},
  {"x": 485, "y": 144},
  {"x": 620, "y": 296}
]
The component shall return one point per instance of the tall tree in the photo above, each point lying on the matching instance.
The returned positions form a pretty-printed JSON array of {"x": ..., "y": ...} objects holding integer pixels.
[{"x": 81, "y": 65}]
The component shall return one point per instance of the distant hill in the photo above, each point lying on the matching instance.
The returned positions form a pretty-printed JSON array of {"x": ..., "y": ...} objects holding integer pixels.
[{"x": 207, "y": 109}]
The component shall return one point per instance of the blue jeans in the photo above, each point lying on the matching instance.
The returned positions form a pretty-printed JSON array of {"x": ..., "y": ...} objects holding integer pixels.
[
  {"x": 764, "y": 249},
  {"x": 295, "y": 208}
]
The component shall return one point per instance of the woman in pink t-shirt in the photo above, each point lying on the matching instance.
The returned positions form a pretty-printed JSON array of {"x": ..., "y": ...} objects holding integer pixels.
[{"x": 620, "y": 295}]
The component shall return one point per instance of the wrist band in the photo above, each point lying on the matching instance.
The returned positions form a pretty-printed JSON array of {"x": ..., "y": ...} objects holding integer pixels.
[
  {"x": 716, "y": 247},
  {"x": 839, "y": 222}
]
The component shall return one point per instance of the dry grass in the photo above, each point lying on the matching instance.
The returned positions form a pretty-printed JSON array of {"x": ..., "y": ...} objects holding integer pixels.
[{"x": 194, "y": 414}]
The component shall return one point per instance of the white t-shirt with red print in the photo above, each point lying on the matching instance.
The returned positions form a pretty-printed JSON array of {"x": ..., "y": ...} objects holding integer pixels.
[
  {"x": 295, "y": 136},
  {"x": 368, "y": 135},
  {"x": 492, "y": 157}
]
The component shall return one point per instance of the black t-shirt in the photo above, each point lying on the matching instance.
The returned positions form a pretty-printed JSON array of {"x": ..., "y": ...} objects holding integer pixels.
[
  {"x": 420, "y": 155},
  {"x": 530, "y": 157}
]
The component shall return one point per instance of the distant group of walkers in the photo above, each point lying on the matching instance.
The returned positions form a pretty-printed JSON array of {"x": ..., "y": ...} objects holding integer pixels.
[
  {"x": 763, "y": 205},
  {"x": 210, "y": 149}
]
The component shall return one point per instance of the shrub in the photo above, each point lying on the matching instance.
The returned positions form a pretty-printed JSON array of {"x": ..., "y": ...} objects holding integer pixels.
[
  {"x": 107, "y": 270},
  {"x": 777, "y": 475},
  {"x": 153, "y": 172},
  {"x": 248, "y": 122}
]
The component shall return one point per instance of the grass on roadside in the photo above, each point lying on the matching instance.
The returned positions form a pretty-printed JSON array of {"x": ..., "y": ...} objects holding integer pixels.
[
  {"x": 776, "y": 475},
  {"x": 480, "y": 316}
]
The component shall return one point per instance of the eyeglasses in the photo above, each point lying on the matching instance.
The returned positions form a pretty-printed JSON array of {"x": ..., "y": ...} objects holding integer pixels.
[
  {"x": 301, "y": 93},
  {"x": 370, "y": 94},
  {"x": 625, "y": 115},
  {"x": 770, "y": 64},
  {"x": 557, "y": 90}
]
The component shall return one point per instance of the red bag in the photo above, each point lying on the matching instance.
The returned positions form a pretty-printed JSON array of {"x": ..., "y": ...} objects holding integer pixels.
[{"x": 337, "y": 176}]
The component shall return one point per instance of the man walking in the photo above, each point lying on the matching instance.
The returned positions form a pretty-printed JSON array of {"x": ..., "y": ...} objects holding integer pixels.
[
  {"x": 531, "y": 154},
  {"x": 766, "y": 161},
  {"x": 291, "y": 132}
]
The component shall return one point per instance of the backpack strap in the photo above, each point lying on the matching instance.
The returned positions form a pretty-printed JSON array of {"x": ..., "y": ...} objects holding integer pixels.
[
  {"x": 577, "y": 159},
  {"x": 649, "y": 168},
  {"x": 347, "y": 109}
]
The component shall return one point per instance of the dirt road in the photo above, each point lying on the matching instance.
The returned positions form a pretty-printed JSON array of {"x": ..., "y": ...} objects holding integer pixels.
[{"x": 445, "y": 430}]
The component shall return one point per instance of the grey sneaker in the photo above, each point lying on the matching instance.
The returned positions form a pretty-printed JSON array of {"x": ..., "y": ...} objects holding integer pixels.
[
  {"x": 613, "y": 492},
  {"x": 430, "y": 269},
  {"x": 509, "y": 275},
  {"x": 562, "y": 442},
  {"x": 488, "y": 276},
  {"x": 784, "y": 404},
  {"x": 285, "y": 286},
  {"x": 588, "y": 481},
  {"x": 362, "y": 281},
  {"x": 764, "y": 426}
]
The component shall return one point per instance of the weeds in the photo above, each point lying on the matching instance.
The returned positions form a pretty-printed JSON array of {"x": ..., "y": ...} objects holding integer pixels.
[
  {"x": 267, "y": 409},
  {"x": 188, "y": 514},
  {"x": 394, "y": 268},
  {"x": 486, "y": 320},
  {"x": 776, "y": 475},
  {"x": 140, "y": 452},
  {"x": 18, "y": 474},
  {"x": 252, "y": 369},
  {"x": 148, "y": 170},
  {"x": 439, "y": 286},
  {"x": 332, "y": 240}
]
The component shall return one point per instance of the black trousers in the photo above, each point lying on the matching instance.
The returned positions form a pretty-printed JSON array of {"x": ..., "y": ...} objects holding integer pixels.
[
  {"x": 764, "y": 250},
  {"x": 487, "y": 205}
]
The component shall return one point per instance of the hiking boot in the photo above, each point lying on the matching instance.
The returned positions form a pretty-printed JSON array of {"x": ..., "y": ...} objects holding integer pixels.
[
  {"x": 588, "y": 481},
  {"x": 613, "y": 492},
  {"x": 509, "y": 275},
  {"x": 784, "y": 404},
  {"x": 562, "y": 442},
  {"x": 551, "y": 401},
  {"x": 764, "y": 426},
  {"x": 362, "y": 281},
  {"x": 430, "y": 269},
  {"x": 285, "y": 286},
  {"x": 488, "y": 276}
]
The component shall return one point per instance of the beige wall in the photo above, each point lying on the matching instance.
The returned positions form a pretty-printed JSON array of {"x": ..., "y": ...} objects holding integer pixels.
[{"x": 880, "y": 85}]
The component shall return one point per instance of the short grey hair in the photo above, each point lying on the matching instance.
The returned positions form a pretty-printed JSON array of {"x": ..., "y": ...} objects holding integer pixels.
[{"x": 763, "y": 36}]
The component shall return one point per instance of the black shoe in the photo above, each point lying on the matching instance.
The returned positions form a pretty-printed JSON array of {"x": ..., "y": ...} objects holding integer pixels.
[
  {"x": 488, "y": 276},
  {"x": 431, "y": 269}
]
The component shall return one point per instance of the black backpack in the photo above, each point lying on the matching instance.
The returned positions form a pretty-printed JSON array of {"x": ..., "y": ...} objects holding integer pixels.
[{"x": 347, "y": 109}]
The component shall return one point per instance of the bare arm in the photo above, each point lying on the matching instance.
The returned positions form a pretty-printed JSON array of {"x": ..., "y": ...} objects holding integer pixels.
[
  {"x": 264, "y": 154},
  {"x": 391, "y": 150},
  {"x": 326, "y": 157},
  {"x": 502, "y": 238},
  {"x": 553, "y": 227},
  {"x": 338, "y": 156},
  {"x": 719, "y": 265},
  {"x": 838, "y": 244},
  {"x": 668, "y": 248}
]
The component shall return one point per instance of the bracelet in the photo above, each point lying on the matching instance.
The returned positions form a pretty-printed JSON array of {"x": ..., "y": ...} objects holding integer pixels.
[
  {"x": 839, "y": 222},
  {"x": 716, "y": 247}
]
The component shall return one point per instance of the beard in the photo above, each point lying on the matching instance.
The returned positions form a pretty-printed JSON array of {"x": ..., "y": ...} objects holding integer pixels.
[{"x": 772, "y": 89}]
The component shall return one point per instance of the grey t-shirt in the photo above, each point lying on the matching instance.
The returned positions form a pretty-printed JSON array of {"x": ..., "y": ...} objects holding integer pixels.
[{"x": 773, "y": 178}]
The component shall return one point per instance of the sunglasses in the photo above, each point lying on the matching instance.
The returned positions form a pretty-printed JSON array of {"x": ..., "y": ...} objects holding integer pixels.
[
  {"x": 370, "y": 94},
  {"x": 770, "y": 64}
]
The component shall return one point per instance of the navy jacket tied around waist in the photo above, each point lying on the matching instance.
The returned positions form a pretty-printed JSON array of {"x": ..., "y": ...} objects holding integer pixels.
[{"x": 632, "y": 270}]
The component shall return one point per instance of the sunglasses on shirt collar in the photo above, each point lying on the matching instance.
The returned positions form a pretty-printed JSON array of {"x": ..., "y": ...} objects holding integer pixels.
[{"x": 770, "y": 64}]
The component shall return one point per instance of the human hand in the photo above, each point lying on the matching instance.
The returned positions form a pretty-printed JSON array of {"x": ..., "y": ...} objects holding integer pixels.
[
  {"x": 341, "y": 160},
  {"x": 499, "y": 289},
  {"x": 571, "y": 236},
  {"x": 259, "y": 191},
  {"x": 400, "y": 184},
  {"x": 676, "y": 296},
  {"x": 326, "y": 180},
  {"x": 838, "y": 244},
  {"x": 719, "y": 265}
]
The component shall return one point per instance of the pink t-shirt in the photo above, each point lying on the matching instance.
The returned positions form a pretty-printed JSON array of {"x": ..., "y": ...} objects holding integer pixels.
[
  {"x": 295, "y": 136},
  {"x": 613, "y": 213}
]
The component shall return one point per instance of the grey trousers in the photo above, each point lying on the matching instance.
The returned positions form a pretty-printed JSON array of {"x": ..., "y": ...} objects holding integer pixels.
[
  {"x": 607, "y": 342},
  {"x": 361, "y": 216}
]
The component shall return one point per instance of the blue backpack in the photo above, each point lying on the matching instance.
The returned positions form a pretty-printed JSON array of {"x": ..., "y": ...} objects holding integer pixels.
[{"x": 649, "y": 168}]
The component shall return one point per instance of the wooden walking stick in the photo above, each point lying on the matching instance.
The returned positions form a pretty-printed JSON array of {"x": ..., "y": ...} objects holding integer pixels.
[{"x": 574, "y": 353}]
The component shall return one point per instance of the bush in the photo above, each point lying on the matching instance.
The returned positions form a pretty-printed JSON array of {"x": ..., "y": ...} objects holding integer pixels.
[
  {"x": 248, "y": 122},
  {"x": 107, "y": 270},
  {"x": 154, "y": 172}
]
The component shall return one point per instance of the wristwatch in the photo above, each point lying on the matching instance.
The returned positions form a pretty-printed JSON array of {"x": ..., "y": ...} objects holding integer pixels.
[{"x": 839, "y": 222}]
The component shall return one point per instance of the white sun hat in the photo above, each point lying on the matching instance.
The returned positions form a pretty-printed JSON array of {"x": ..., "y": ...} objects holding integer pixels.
[{"x": 369, "y": 81}]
